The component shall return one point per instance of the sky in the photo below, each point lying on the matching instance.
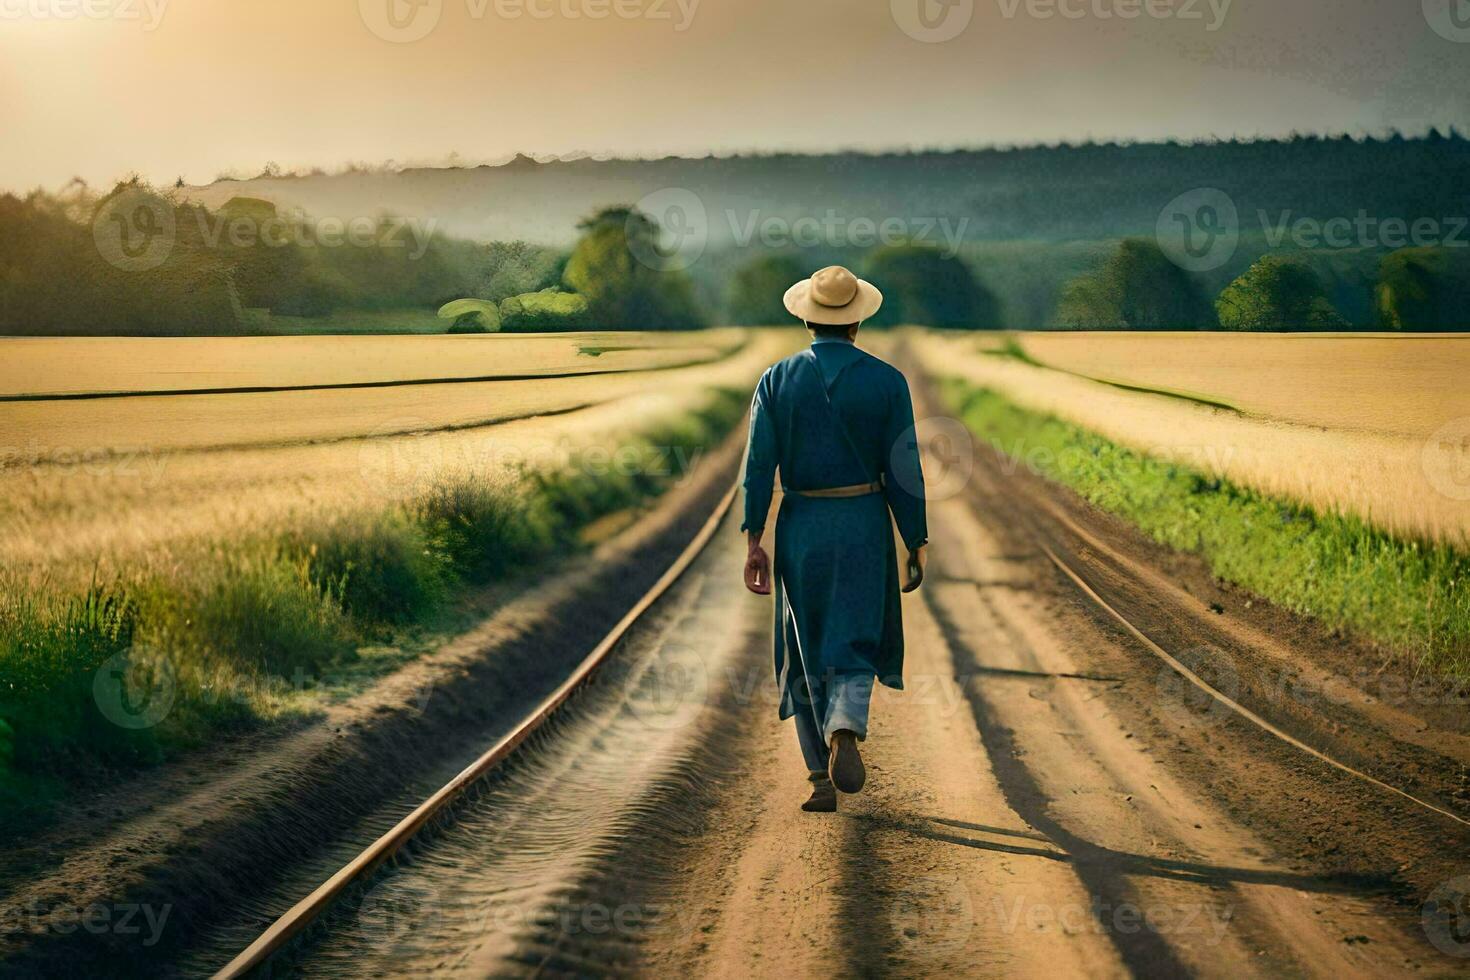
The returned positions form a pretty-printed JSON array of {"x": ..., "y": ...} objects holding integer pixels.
[{"x": 194, "y": 88}]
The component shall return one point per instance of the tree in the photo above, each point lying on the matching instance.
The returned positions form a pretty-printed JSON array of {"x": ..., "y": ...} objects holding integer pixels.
[
  {"x": 1277, "y": 294},
  {"x": 471, "y": 316},
  {"x": 1137, "y": 288},
  {"x": 1423, "y": 289},
  {"x": 615, "y": 266},
  {"x": 757, "y": 289},
  {"x": 923, "y": 285},
  {"x": 547, "y": 310}
]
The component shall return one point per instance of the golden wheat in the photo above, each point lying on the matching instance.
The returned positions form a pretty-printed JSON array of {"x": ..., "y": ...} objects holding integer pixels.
[
  {"x": 288, "y": 457},
  {"x": 1315, "y": 423}
]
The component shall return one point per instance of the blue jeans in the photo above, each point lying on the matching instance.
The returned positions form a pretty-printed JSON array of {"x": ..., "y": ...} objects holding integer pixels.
[{"x": 827, "y": 704}]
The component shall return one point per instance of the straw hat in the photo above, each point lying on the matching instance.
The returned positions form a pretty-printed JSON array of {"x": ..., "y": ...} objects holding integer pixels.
[{"x": 833, "y": 295}]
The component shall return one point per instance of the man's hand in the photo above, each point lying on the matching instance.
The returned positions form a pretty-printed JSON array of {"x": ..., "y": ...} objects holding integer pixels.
[
  {"x": 918, "y": 560},
  {"x": 757, "y": 567}
]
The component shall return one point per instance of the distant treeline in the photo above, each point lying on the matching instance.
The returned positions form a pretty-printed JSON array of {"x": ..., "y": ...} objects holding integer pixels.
[
  {"x": 140, "y": 262},
  {"x": 80, "y": 264},
  {"x": 1066, "y": 192},
  {"x": 1033, "y": 238}
]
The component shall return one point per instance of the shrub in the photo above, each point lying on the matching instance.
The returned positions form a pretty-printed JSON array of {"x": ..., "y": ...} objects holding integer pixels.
[
  {"x": 1277, "y": 294},
  {"x": 260, "y": 609},
  {"x": 1423, "y": 289},
  {"x": 1137, "y": 288},
  {"x": 617, "y": 265},
  {"x": 544, "y": 311},
  {"x": 757, "y": 288},
  {"x": 385, "y": 567},
  {"x": 922, "y": 285},
  {"x": 483, "y": 532},
  {"x": 51, "y": 650},
  {"x": 471, "y": 316}
]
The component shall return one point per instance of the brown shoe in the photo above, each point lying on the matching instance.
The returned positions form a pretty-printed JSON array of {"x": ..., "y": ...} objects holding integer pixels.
[
  {"x": 845, "y": 765},
  {"x": 824, "y": 796}
]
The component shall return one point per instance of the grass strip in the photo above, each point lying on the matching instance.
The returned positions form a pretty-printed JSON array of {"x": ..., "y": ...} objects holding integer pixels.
[
  {"x": 135, "y": 670},
  {"x": 1407, "y": 595}
]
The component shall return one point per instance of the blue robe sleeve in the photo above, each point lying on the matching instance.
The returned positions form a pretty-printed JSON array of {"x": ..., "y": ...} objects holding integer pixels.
[
  {"x": 760, "y": 459},
  {"x": 904, "y": 486}
]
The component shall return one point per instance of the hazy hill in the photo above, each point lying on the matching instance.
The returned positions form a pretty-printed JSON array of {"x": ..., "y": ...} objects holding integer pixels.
[{"x": 1085, "y": 192}]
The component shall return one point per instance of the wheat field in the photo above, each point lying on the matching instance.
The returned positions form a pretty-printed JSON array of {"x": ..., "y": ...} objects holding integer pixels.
[
  {"x": 1376, "y": 427},
  {"x": 89, "y": 486}
]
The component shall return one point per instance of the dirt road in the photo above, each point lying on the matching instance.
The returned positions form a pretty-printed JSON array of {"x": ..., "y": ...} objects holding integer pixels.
[{"x": 1041, "y": 801}]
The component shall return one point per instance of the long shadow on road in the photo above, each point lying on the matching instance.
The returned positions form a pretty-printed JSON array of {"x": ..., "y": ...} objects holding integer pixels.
[{"x": 1103, "y": 871}]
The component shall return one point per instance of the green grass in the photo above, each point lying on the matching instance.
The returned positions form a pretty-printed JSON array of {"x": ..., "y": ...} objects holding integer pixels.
[
  {"x": 1410, "y": 596},
  {"x": 231, "y": 635}
]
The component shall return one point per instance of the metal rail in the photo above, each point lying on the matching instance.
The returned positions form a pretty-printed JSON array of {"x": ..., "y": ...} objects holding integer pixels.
[{"x": 304, "y": 912}]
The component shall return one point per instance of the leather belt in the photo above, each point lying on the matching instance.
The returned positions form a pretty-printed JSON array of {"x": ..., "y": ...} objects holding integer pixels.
[{"x": 856, "y": 490}]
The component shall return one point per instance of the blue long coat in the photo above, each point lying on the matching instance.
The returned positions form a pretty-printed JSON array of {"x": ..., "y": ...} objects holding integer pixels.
[{"x": 836, "y": 571}]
